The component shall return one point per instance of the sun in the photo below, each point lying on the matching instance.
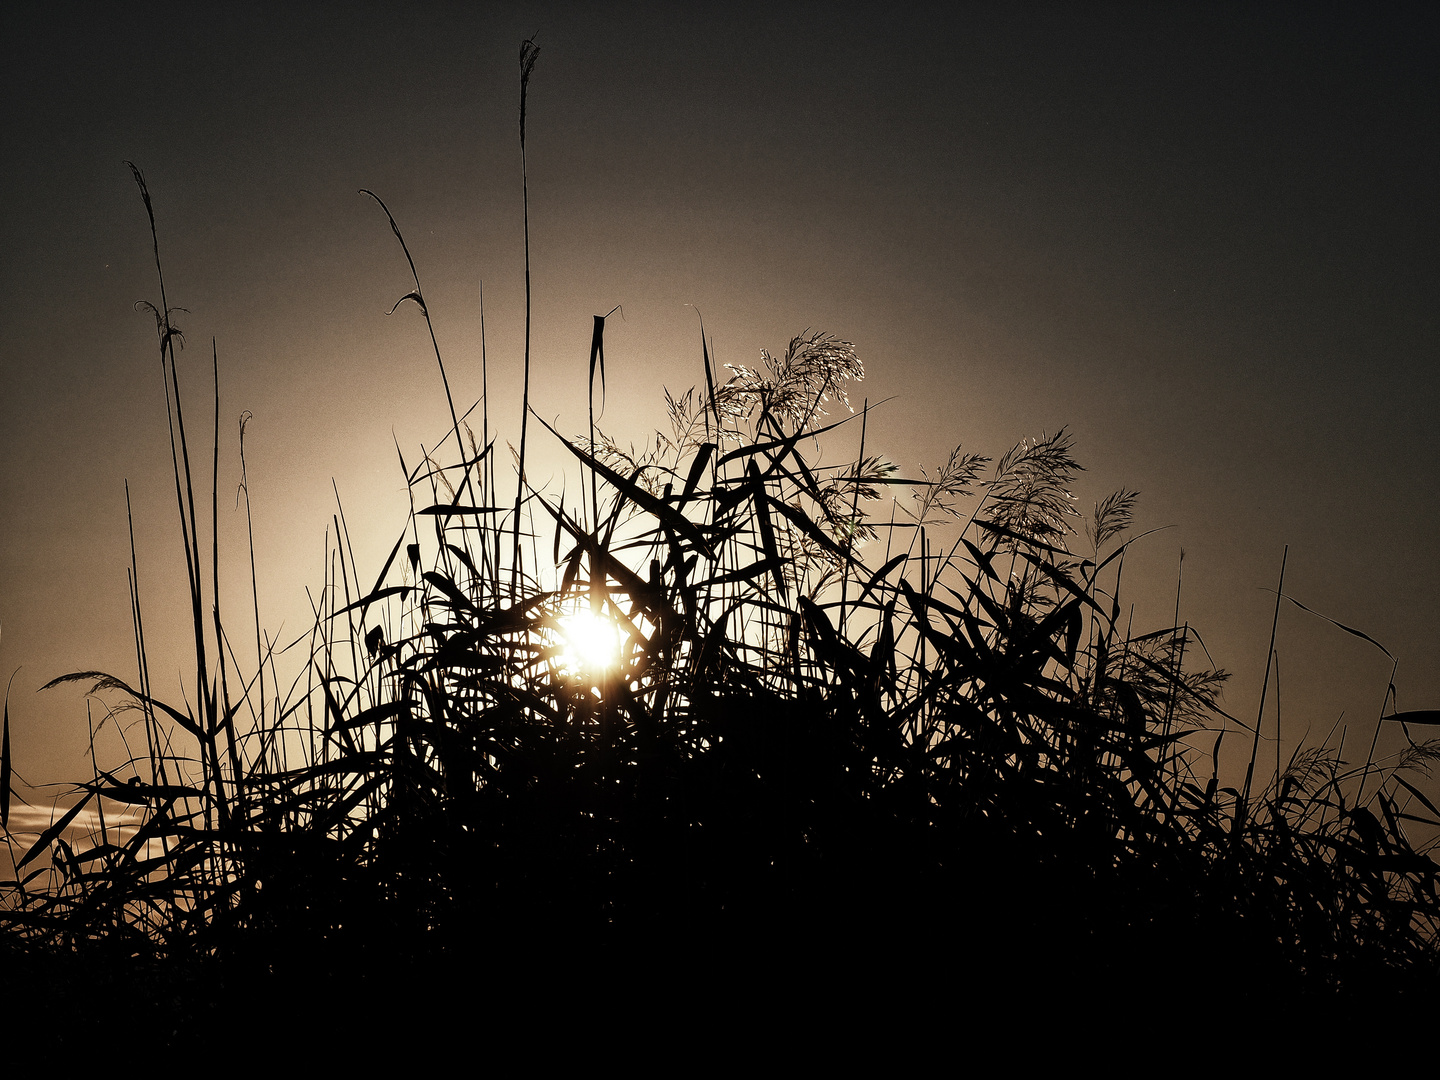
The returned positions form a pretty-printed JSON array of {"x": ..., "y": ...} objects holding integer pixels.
[{"x": 590, "y": 643}]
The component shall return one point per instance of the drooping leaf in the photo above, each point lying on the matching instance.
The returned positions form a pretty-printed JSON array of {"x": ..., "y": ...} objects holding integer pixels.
[
  {"x": 102, "y": 681},
  {"x": 413, "y": 294},
  {"x": 1417, "y": 716},
  {"x": 1347, "y": 629},
  {"x": 446, "y": 510},
  {"x": 374, "y": 640},
  {"x": 451, "y": 591}
]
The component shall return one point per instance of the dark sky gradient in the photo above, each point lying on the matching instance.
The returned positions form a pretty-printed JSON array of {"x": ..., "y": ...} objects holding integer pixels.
[{"x": 1204, "y": 239}]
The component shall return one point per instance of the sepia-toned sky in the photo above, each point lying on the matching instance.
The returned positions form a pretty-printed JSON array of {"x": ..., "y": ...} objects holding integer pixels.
[{"x": 1202, "y": 237}]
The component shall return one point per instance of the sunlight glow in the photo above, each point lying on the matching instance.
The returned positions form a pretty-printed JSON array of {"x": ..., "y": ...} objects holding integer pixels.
[{"x": 591, "y": 643}]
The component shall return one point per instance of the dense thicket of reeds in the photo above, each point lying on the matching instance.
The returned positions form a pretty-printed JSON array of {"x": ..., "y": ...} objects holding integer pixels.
[{"x": 857, "y": 751}]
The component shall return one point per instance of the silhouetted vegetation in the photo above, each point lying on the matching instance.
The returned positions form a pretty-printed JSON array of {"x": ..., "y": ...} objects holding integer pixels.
[{"x": 945, "y": 762}]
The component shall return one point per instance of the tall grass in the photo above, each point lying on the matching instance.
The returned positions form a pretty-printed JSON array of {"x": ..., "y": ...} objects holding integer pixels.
[{"x": 926, "y": 743}]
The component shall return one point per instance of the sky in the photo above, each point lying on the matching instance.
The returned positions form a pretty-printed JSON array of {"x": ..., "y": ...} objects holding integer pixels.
[{"x": 1202, "y": 238}]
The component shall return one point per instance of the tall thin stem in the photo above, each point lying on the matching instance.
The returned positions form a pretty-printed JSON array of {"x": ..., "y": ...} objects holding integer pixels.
[
  {"x": 245, "y": 418},
  {"x": 1264, "y": 686},
  {"x": 419, "y": 297},
  {"x": 528, "y": 52}
]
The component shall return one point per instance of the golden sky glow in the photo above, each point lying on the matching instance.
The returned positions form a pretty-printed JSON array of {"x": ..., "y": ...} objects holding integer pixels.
[{"x": 1204, "y": 239}]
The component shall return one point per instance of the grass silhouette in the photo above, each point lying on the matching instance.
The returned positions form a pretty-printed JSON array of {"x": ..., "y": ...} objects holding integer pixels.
[{"x": 952, "y": 765}]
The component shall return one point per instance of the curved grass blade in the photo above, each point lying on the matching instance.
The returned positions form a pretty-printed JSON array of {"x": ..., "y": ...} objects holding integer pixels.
[
  {"x": 53, "y": 831},
  {"x": 5, "y": 762}
]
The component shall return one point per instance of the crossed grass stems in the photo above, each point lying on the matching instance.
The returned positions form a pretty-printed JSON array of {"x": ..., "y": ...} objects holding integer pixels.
[
  {"x": 993, "y": 675},
  {"x": 976, "y": 703}
]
